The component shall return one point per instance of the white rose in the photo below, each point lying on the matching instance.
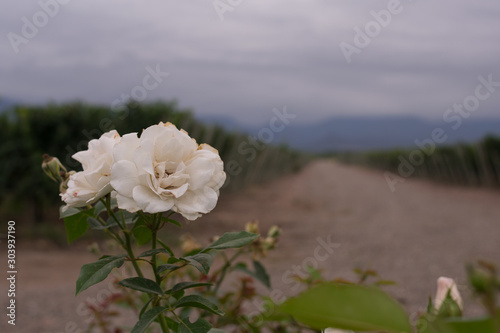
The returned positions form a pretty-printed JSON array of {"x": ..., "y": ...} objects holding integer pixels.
[
  {"x": 91, "y": 184},
  {"x": 444, "y": 285},
  {"x": 165, "y": 169}
]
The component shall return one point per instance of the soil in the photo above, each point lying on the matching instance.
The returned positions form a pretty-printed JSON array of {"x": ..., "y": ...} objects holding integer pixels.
[{"x": 334, "y": 217}]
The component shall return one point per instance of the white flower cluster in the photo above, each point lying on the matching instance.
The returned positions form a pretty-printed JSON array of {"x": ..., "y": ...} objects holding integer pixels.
[{"x": 163, "y": 169}]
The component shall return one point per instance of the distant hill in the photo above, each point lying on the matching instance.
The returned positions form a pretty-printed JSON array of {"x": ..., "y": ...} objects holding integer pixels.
[
  {"x": 343, "y": 133},
  {"x": 6, "y": 103},
  {"x": 228, "y": 123}
]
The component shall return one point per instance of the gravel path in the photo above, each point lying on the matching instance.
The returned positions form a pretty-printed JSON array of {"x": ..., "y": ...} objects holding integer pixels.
[{"x": 412, "y": 236}]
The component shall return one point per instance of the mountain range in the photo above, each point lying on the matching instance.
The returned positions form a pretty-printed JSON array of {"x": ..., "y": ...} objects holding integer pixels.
[
  {"x": 6, "y": 103},
  {"x": 354, "y": 133},
  {"x": 345, "y": 133}
]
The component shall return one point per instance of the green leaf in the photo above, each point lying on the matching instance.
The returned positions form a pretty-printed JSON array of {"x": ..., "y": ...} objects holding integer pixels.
[
  {"x": 169, "y": 220},
  {"x": 91, "y": 274},
  {"x": 172, "y": 324},
  {"x": 201, "y": 261},
  {"x": 458, "y": 325},
  {"x": 150, "y": 253},
  {"x": 348, "y": 307},
  {"x": 146, "y": 306},
  {"x": 142, "y": 234},
  {"x": 146, "y": 320},
  {"x": 485, "y": 325},
  {"x": 142, "y": 284},
  {"x": 200, "y": 326},
  {"x": 99, "y": 208},
  {"x": 197, "y": 301},
  {"x": 260, "y": 272},
  {"x": 68, "y": 211},
  {"x": 76, "y": 225},
  {"x": 113, "y": 203},
  {"x": 179, "y": 295},
  {"x": 94, "y": 224},
  {"x": 167, "y": 267},
  {"x": 129, "y": 218},
  {"x": 165, "y": 247},
  {"x": 232, "y": 240},
  {"x": 186, "y": 285}
]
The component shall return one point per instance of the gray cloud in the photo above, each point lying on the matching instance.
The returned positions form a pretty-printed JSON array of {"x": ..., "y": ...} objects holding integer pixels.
[{"x": 263, "y": 55}]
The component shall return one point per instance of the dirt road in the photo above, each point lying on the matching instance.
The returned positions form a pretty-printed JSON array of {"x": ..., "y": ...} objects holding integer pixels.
[{"x": 334, "y": 216}]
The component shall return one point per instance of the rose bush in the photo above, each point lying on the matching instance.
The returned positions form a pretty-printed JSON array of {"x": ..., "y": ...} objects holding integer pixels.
[{"x": 163, "y": 171}]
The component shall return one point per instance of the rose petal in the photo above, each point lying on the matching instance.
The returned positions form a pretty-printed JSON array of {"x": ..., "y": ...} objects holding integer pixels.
[
  {"x": 201, "y": 201},
  {"x": 124, "y": 177},
  {"x": 127, "y": 203},
  {"x": 150, "y": 202},
  {"x": 125, "y": 149},
  {"x": 200, "y": 171}
]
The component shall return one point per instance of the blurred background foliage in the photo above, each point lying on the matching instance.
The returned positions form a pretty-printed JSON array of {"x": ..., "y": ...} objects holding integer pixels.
[
  {"x": 27, "y": 132},
  {"x": 60, "y": 130},
  {"x": 475, "y": 164}
]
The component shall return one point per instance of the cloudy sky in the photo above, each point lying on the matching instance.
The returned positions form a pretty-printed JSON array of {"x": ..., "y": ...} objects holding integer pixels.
[{"x": 245, "y": 57}]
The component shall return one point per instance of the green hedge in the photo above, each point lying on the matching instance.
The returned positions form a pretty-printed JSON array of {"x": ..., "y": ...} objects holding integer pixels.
[
  {"x": 60, "y": 130},
  {"x": 462, "y": 164}
]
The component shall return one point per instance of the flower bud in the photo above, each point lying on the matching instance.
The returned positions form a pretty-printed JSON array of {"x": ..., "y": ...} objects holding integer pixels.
[
  {"x": 252, "y": 227},
  {"x": 269, "y": 243},
  {"x": 94, "y": 248},
  {"x": 189, "y": 244},
  {"x": 274, "y": 231},
  {"x": 53, "y": 168},
  {"x": 64, "y": 184},
  {"x": 482, "y": 280},
  {"x": 448, "y": 301}
]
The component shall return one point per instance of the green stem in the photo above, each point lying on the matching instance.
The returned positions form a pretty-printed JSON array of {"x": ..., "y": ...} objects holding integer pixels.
[
  {"x": 128, "y": 248},
  {"x": 112, "y": 214},
  {"x": 156, "y": 222},
  {"x": 127, "y": 245},
  {"x": 110, "y": 232},
  {"x": 156, "y": 226},
  {"x": 163, "y": 323},
  {"x": 224, "y": 270}
]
